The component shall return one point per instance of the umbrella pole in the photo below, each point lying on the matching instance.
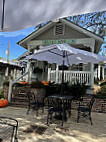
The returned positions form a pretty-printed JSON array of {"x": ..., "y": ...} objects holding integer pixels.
[{"x": 62, "y": 84}]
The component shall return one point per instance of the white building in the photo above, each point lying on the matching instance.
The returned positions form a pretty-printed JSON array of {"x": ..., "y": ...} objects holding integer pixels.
[{"x": 62, "y": 31}]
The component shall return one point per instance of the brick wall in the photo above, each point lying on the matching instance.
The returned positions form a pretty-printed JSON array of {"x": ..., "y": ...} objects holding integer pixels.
[{"x": 98, "y": 106}]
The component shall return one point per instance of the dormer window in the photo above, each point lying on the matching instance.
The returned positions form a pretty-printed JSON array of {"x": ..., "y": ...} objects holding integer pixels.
[{"x": 59, "y": 29}]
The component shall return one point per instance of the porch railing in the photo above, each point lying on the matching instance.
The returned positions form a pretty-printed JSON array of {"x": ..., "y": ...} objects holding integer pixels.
[{"x": 70, "y": 76}]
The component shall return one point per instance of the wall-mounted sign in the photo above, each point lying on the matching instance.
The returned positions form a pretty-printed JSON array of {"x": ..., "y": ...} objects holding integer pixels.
[{"x": 59, "y": 41}]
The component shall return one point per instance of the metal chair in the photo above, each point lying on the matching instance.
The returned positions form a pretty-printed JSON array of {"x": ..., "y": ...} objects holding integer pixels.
[
  {"x": 54, "y": 107},
  {"x": 85, "y": 111},
  {"x": 8, "y": 129},
  {"x": 35, "y": 103}
]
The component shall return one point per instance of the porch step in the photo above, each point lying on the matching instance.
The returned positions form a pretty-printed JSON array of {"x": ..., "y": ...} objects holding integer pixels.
[{"x": 19, "y": 100}]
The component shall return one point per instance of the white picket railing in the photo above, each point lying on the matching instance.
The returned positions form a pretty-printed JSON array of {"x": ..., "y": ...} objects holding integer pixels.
[{"x": 70, "y": 76}]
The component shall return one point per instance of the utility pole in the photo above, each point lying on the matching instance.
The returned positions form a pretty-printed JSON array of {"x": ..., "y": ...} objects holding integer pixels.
[{"x": 8, "y": 52}]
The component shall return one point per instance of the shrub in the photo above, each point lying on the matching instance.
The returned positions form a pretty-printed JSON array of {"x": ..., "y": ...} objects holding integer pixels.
[
  {"x": 17, "y": 84},
  {"x": 103, "y": 83},
  {"x": 1, "y": 94},
  {"x": 78, "y": 90},
  {"x": 103, "y": 90},
  {"x": 37, "y": 84},
  {"x": 52, "y": 88}
]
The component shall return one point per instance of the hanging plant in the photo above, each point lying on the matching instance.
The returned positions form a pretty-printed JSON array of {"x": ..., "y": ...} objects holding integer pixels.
[{"x": 37, "y": 70}]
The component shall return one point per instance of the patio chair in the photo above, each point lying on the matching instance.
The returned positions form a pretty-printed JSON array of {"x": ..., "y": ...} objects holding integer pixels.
[
  {"x": 35, "y": 103},
  {"x": 8, "y": 129},
  {"x": 85, "y": 111},
  {"x": 54, "y": 107}
]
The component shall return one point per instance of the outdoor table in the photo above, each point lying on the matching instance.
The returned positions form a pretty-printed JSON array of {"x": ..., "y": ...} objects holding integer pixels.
[{"x": 63, "y": 101}]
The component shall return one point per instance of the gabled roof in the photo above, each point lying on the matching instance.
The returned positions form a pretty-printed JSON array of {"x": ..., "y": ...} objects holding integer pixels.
[
  {"x": 24, "y": 41},
  {"x": 23, "y": 55}
]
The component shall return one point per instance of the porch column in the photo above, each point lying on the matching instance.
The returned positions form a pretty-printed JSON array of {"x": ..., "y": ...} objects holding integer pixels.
[
  {"x": 28, "y": 66},
  {"x": 49, "y": 72},
  {"x": 11, "y": 73},
  {"x": 92, "y": 66},
  {"x": 30, "y": 72},
  {"x": 103, "y": 72},
  {"x": 6, "y": 71},
  {"x": 57, "y": 69},
  {"x": 99, "y": 71},
  {"x": 14, "y": 75}
]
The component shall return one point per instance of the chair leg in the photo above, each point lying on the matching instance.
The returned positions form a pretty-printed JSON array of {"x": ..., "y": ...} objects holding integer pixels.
[
  {"x": 37, "y": 113},
  {"x": 48, "y": 119},
  {"x": 69, "y": 113},
  {"x": 90, "y": 119},
  {"x": 42, "y": 109},
  {"x": 78, "y": 117},
  {"x": 28, "y": 110}
]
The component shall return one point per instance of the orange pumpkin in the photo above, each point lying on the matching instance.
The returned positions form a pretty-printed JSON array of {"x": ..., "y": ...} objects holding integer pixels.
[
  {"x": 23, "y": 82},
  {"x": 3, "y": 102},
  {"x": 45, "y": 82}
]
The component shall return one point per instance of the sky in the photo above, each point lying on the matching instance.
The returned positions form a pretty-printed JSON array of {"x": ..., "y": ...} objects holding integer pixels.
[{"x": 13, "y": 38}]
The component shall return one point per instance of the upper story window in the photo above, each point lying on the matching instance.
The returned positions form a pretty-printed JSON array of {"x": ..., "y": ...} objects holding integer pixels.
[{"x": 59, "y": 29}]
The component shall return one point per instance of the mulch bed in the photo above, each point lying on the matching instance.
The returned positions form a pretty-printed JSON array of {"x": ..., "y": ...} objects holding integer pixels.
[{"x": 37, "y": 129}]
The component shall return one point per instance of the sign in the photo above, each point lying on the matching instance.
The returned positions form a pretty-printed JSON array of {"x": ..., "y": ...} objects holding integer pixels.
[{"x": 59, "y": 41}]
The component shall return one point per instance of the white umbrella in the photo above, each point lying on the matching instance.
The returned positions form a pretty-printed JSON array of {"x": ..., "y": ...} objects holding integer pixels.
[
  {"x": 57, "y": 52},
  {"x": 20, "y": 14}
]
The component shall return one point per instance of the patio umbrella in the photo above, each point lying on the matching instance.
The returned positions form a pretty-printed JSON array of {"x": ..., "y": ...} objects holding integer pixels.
[
  {"x": 64, "y": 54},
  {"x": 20, "y": 14},
  {"x": 56, "y": 53}
]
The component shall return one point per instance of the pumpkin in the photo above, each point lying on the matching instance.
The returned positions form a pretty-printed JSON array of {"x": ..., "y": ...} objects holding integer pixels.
[
  {"x": 3, "y": 102},
  {"x": 23, "y": 82},
  {"x": 45, "y": 82}
]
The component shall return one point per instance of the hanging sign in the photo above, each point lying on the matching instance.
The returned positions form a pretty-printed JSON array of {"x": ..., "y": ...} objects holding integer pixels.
[{"x": 58, "y": 41}]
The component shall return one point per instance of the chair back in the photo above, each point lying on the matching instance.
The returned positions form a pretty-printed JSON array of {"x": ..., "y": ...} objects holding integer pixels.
[
  {"x": 92, "y": 102},
  {"x": 8, "y": 129}
]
